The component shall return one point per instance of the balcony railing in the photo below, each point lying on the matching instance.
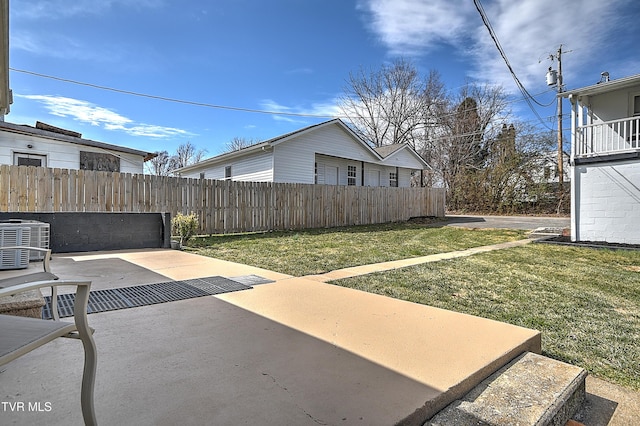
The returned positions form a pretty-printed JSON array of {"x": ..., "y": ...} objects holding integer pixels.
[{"x": 610, "y": 137}]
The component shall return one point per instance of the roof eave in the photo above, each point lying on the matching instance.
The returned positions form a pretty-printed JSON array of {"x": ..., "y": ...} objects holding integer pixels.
[
  {"x": 224, "y": 157},
  {"x": 608, "y": 86},
  {"x": 31, "y": 131}
]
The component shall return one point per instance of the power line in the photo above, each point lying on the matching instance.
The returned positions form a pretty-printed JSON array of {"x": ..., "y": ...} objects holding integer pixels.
[
  {"x": 527, "y": 96},
  {"x": 163, "y": 98},
  {"x": 224, "y": 107}
]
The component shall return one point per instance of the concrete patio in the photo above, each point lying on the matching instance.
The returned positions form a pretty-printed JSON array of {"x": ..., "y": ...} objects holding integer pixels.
[{"x": 292, "y": 352}]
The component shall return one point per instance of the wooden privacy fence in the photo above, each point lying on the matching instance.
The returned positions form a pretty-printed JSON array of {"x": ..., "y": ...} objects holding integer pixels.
[{"x": 222, "y": 206}]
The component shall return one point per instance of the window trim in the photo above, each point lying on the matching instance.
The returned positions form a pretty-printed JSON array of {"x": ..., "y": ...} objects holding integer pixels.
[
  {"x": 27, "y": 155},
  {"x": 393, "y": 179},
  {"x": 352, "y": 174}
]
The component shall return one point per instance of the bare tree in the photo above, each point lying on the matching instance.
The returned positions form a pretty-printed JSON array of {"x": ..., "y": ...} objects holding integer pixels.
[
  {"x": 158, "y": 165},
  {"x": 238, "y": 143},
  {"x": 186, "y": 154},
  {"x": 460, "y": 147},
  {"x": 391, "y": 105}
]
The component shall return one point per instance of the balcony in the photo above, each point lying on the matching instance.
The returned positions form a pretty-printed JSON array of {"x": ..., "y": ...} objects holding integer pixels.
[{"x": 606, "y": 138}]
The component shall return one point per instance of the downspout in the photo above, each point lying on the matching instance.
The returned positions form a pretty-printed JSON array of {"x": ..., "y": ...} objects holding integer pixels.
[{"x": 362, "y": 173}]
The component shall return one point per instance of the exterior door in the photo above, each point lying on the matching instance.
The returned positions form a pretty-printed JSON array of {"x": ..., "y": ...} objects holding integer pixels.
[
  {"x": 373, "y": 178},
  {"x": 330, "y": 175}
]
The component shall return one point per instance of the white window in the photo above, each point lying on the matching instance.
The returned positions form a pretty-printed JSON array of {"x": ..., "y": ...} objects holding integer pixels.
[
  {"x": 227, "y": 173},
  {"x": 24, "y": 159},
  {"x": 393, "y": 179},
  {"x": 351, "y": 175}
]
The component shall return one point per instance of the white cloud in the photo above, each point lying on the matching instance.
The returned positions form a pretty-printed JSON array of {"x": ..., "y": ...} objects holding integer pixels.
[
  {"x": 528, "y": 31},
  {"x": 408, "y": 27},
  {"x": 327, "y": 109},
  {"x": 88, "y": 113}
]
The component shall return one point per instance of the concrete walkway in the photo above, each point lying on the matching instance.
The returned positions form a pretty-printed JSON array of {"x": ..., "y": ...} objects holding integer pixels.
[
  {"x": 403, "y": 263},
  {"x": 295, "y": 351}
]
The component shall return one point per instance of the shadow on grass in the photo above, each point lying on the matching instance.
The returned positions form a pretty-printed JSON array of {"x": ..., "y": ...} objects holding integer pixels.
[{"x": 414, "y": 223}]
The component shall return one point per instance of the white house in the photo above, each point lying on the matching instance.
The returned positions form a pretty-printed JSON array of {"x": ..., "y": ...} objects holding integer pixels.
[
  {"x": 49, "y": 146},
  {"x": 327, "y": 153},
  {"x": 605, "y": 160}
]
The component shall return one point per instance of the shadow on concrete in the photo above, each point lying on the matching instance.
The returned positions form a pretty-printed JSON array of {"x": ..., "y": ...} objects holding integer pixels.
[
  {"x": 205, "y": 361},
  {"x": 596, "y": 411}
]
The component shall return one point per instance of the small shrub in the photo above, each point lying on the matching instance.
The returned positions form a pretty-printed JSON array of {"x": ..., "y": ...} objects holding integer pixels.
[{"x": 185, "y": 226}]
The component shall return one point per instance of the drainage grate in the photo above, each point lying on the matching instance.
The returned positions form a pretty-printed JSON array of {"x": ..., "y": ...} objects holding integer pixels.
[
  {"x": 143, "y": 295},
  {"x": 216, "y": 285},
  {"x": 251, "y": 280}
]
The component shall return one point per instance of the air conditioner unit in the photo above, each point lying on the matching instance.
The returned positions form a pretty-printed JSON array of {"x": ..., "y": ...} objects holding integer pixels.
[
  {"x": 11, "y": 235},
  {"x": 39, "y": 235}
]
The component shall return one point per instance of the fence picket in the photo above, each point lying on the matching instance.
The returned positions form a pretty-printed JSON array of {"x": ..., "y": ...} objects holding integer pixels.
[{"x": 223, "y": 206}]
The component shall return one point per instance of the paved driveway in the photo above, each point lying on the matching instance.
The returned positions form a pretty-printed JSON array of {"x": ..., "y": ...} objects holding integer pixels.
[{"x": 509, "y": 222}]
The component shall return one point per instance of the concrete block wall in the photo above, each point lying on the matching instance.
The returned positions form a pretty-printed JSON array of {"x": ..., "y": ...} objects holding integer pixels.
[
  {"x": 608, "y": 202},
  {"x": 83, "y": 231}
]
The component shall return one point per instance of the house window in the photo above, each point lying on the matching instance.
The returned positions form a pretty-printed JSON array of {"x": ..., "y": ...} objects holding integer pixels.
[
  {"x": 351, "y": 175},
  {"x": 315, "y": 173},
  {"x": 23, "y": 159},
  {"x": 227, "y": 172},
  {"x": 393, "y": 179}
]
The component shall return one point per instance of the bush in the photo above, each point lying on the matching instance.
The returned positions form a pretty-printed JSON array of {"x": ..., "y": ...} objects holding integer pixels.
[{"x": 184, "y": 226}]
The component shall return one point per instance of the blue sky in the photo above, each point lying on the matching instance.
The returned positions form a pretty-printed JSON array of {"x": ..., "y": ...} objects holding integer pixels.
[{"x": 285, "y": 56}]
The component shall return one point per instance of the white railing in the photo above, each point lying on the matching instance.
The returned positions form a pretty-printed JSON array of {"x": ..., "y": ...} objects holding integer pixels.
[{"x": 609, "y": 137}]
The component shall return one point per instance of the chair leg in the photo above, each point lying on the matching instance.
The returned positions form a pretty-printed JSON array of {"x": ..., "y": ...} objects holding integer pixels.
[
  {"x": 88, "y": 379},
  {"x": 53, "y": 304},
  {"x": 90, "y": 354}
]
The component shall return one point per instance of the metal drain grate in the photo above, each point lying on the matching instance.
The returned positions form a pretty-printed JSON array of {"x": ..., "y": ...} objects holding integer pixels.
[
  {"x": 251, "y": 280},
  {"x": 216, "y": 285},
  {"x": 143, "y": 295}
]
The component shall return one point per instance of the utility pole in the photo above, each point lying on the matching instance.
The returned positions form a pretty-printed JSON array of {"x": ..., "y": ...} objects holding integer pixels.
[
  {"x": 560, "y": 150},
  {"x": 555, "y": 78}
]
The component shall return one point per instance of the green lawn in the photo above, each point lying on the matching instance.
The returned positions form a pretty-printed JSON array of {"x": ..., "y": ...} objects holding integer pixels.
[
  {"x": 317, "y": 251},
  {"x": 586, "y": 302}
]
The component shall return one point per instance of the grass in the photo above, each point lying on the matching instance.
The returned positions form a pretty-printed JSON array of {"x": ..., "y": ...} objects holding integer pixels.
[
  {"x": 586, "y": 302},
  {"x": 318, "y": 251}
]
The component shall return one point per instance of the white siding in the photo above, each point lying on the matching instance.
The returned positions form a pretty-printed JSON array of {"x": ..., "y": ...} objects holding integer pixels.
[
  {"x": 406, "y": 163},
  {"x": 329, "y": 163},
  {"x": 294, "y": 159},
  {"x": 250, "y": 168},
  {"x": 373, "y": 170},
  {"x": 612, "y": 105},
  {"x": 59, "y": 154},
  {"x": 403, "y": 158},
  {"x": 607, "y": 200}
]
